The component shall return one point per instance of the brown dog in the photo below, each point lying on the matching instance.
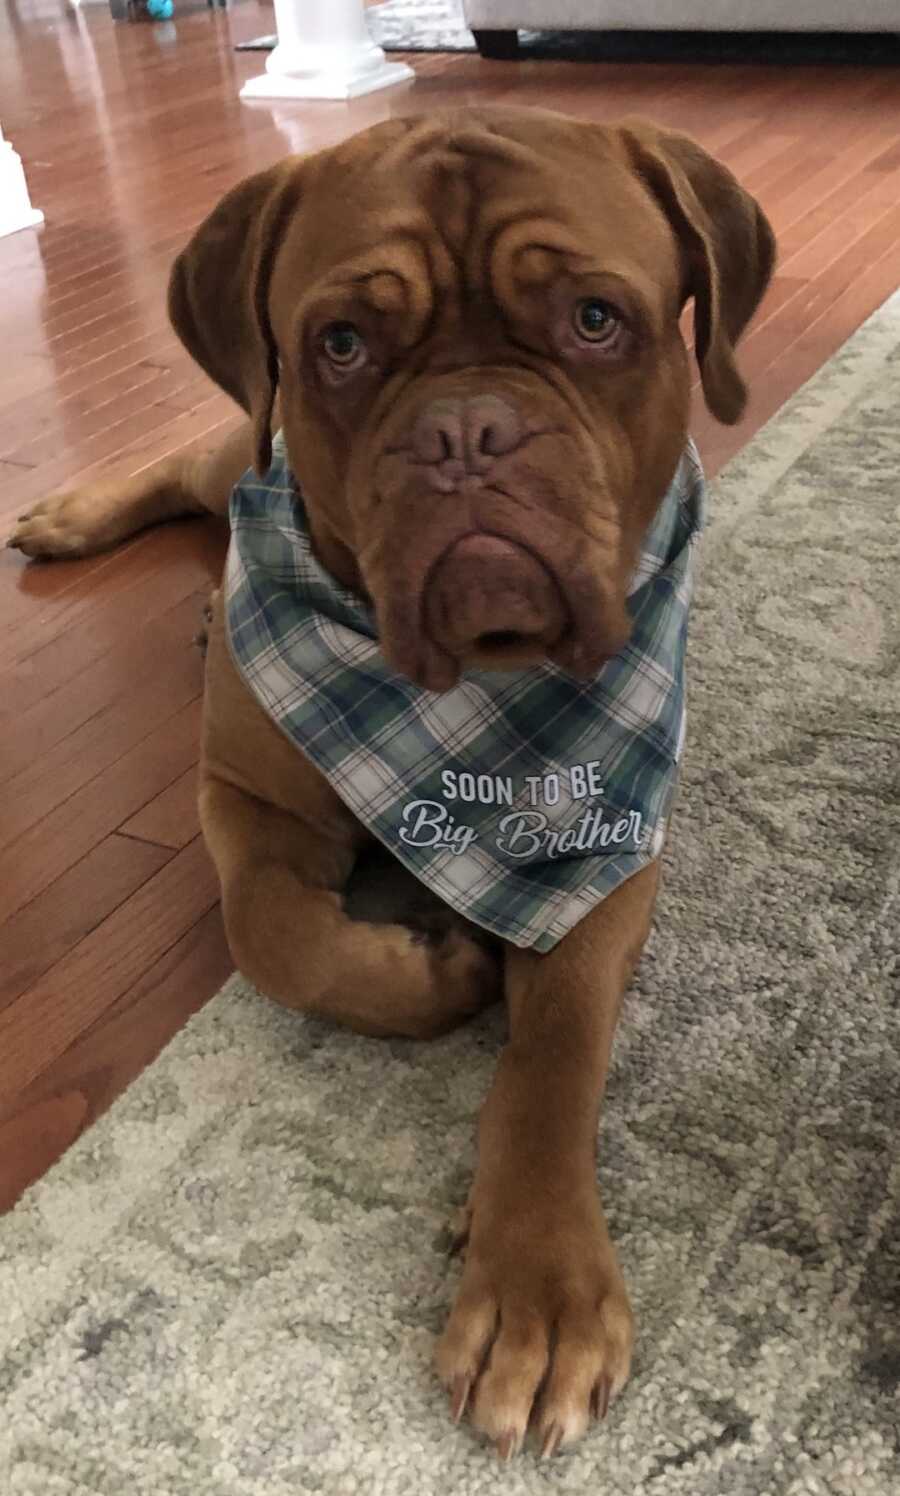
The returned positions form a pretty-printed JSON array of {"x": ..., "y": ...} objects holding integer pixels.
[{"x": 471, "y": 323}]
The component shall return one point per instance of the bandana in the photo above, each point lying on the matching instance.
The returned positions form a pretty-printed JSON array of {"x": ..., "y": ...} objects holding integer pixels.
[{"x": 522, "y": 799}]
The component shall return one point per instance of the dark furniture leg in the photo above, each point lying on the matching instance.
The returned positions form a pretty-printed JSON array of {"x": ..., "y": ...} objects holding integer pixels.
[{"x": 500, "y": 45}]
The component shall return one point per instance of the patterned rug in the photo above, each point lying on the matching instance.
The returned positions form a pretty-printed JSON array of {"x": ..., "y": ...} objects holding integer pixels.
[
  {"x": 232, "y": 1284},
  {"x": 440, "y": 26}
]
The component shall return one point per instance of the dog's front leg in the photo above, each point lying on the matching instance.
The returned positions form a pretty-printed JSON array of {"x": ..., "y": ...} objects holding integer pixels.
[
  {"x": 285, "y": 847},
  {"x": 541, "y": 1330}
]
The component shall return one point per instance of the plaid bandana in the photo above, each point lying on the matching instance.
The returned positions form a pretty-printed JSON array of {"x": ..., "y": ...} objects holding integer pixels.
[{"x": 521, "y": 799}]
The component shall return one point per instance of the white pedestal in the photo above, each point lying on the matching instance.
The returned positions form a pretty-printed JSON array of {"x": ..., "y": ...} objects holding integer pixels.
[
  {"x": 16, "y": 211},
  {"x": 324, "y": 51}
]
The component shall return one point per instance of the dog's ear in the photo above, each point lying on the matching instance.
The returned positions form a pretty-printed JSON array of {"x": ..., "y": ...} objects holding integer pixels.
[
  {"x": 219, "y": 294},
  {"x": 728, "y": 251}
]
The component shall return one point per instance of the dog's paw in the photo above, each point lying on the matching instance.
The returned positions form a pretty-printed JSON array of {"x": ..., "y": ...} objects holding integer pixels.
[
  {"x": 63, "y": 525},
  {"x": 540, "y": 1334},
  {"x": 466, "y": 975}
]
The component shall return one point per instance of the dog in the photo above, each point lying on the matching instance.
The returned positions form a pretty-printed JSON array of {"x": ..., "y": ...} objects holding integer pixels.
[{"x": 463, "y": 509}]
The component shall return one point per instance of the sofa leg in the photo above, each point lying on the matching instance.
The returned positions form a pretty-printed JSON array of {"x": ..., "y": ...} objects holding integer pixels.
[{"x": 500, "y": 45}]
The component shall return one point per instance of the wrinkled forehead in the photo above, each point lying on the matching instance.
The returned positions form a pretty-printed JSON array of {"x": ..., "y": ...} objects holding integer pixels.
[{"x": 468, "y": 207}]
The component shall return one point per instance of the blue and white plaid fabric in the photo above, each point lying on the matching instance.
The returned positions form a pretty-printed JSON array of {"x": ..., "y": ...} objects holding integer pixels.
[{"x": 521, "y": 799}]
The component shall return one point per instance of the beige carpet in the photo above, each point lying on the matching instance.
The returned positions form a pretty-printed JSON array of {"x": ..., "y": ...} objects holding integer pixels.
[{"x": 233, "y": 1283}]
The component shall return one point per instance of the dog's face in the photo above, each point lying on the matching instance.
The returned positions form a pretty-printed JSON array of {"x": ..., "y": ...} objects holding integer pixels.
[{"x": 473, "y": 321}]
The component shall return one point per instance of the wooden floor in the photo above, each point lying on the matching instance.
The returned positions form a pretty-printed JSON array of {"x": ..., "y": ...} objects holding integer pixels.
[{"x": 109, "y": 931}]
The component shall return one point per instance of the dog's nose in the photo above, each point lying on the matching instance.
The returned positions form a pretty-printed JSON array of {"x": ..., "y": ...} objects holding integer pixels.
[{"x": 458, "y": 438}]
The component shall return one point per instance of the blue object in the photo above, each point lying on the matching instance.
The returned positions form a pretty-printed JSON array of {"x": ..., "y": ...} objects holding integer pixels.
[{"x": 160, "y": 10}]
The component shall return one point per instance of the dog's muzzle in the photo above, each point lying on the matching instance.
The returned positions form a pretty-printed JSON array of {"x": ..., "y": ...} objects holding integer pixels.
[
  {"x": 490, "y": 595},
  {"x": 480, "y": 571}
]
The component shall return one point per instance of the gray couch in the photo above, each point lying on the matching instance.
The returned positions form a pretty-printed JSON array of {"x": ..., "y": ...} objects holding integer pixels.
[{"x": 496, "y": 22}]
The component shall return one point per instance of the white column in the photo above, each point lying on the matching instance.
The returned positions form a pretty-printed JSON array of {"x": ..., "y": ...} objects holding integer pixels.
[
  {"x": 324, "y": 51},
  {"x": 16, "y": 211}
]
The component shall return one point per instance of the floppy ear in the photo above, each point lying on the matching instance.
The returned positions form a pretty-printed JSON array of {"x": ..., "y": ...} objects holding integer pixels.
[
  {"x": 219, "y": 294},
  {"x": 728, "y": 248}
]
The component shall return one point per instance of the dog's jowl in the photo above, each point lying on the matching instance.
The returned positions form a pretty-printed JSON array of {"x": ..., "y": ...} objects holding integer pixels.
[{"x": 464, "y": 509}]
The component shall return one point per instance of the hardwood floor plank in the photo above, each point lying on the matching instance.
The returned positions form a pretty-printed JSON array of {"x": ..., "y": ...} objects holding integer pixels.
[
  {"x": 837, "y": 319},
  {"x": 43, "y": 932},
  {"x": 10, "y": 470},
  {"x": 32, "y": 596},
  {"x": 25, "y": 441},
  {"x": 802, "y": 212},
  {"x": 83, "y": 707},
  {"x": 171, "y": 819},
  {"x": 839, "y": 266},
  {"x": 117, "y": 451},
  {"x": 59, "y": 839},
  {"x": 48, "y": 1114},
  {"x": 148, "y": 403},
  {"x": 100, "y": 742},
  {"x": 45, "y": 665},
  {"x": 34, "y": 1137},
  {"x": 109, "y": 435},
  {"x": 158, "y": 348},
  {"x": 105, "y": 965}
]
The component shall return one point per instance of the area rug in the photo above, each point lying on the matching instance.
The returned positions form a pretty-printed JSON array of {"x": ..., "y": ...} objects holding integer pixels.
[
  {"x": 231, "y": 1286},
  {"x": 440, "y": 26}
]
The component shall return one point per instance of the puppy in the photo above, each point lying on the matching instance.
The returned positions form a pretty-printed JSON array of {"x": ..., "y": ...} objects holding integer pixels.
[{"x": 452, "y": 627}]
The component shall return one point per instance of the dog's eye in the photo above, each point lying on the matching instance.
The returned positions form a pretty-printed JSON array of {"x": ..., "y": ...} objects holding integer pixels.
[
  {"x": 597, "y": 322},
  {"x": 343, "y": 345}
]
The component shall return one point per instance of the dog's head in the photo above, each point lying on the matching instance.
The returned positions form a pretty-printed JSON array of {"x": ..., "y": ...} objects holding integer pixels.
[{"x": 472, "y": 324}]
